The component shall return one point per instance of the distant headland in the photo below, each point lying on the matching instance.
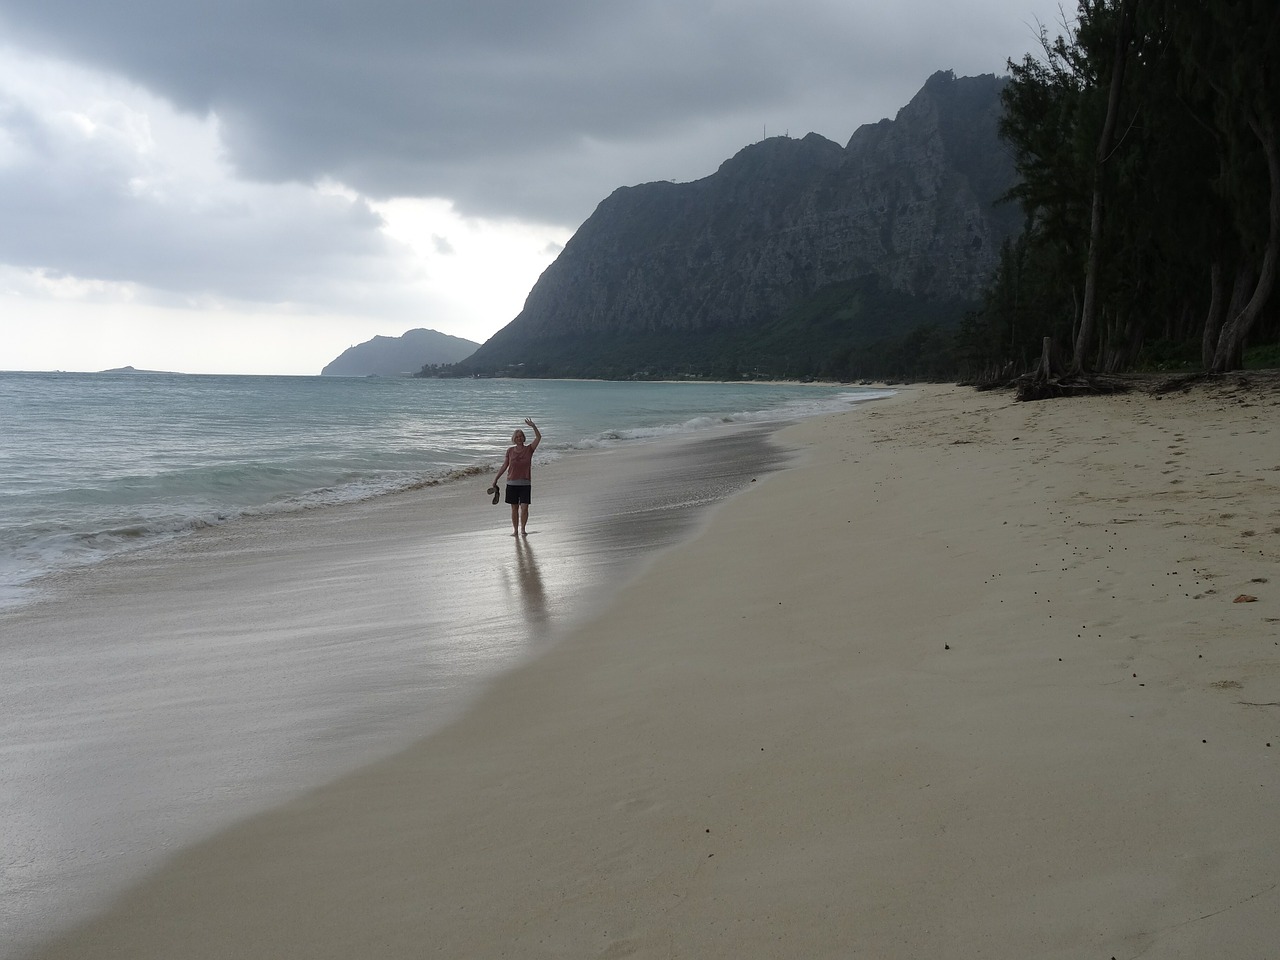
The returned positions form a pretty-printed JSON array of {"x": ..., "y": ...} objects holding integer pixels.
[{"x": 400, "y": 356}]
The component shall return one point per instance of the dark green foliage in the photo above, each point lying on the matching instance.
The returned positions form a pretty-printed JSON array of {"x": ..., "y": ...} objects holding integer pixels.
[
  {"x": 1021, "y": 307},
  {"x": 861, "y": 329},
  {"x": 858, "y": 330},
  {"x": 1263, "y": 358},
  {"x": 1163, "y": 355},
  {"x": 1189, "y": 185}
]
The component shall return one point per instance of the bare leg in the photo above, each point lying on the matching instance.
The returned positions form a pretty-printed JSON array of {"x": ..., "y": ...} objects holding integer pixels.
[
  {"x": 515, "y": 518},
  {"x": 524, "y": 516}
]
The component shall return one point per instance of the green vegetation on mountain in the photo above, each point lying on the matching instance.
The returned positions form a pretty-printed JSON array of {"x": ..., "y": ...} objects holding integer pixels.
[{"x": 846, "y": 331}]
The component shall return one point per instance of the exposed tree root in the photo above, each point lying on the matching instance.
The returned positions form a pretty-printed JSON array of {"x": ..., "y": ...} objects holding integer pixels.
[
  {"x": 1240, "y": 386},
  {"x": 1036, "y": 387}
]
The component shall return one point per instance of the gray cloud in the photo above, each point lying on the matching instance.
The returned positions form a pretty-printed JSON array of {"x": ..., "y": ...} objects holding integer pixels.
[
  {"x": 92, "y": 207},
  {"x": 513, "y": 108}
]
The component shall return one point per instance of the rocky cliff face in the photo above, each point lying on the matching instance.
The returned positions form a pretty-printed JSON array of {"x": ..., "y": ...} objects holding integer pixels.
[{"x": 909, "y": 200}]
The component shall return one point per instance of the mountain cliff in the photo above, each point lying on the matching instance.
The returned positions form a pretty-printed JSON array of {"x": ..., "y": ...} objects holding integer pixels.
[
  {"x": 399, "y": 356},
  {"x": 794, "y": 247}
]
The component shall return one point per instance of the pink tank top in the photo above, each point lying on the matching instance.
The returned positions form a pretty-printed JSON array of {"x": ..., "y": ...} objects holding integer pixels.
[{"x": 520, "y": 463}]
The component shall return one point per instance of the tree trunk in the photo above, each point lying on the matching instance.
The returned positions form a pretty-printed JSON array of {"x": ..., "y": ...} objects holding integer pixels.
[
  {"x": 1050, "y": 368},
  {"x": 1133, "y": 343},
  {"x": 1075, "y": 314},
  {"x": 1213, "y": 319},
  {"x": 1246, "y": 281},
  {"x": 1088, "y": 314},
  {"x": 1230, "y": 351}
]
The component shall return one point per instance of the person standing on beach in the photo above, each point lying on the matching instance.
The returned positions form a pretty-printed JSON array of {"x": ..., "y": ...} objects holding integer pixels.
[{"x": 518, "y": 466}]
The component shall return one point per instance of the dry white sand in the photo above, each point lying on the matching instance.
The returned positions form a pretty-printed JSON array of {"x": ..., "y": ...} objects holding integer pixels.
[{"x": 969, "y": 681}]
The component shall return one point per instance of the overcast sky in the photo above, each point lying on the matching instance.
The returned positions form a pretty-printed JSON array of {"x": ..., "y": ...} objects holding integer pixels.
[{"x": 251, "y": 186}]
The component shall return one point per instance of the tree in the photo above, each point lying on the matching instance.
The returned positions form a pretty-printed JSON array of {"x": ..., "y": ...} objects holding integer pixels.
[
  {"x": 1147, "y": 137},
  {"x": 1228, "y": 55},
  {"x": 1088, "y": 314}
]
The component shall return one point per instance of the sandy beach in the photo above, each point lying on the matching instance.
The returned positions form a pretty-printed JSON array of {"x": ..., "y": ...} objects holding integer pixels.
[{"x": 969, "y": 679}]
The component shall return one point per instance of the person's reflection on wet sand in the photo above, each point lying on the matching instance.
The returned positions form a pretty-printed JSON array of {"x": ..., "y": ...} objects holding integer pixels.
[{"x": 532, "y": 595}]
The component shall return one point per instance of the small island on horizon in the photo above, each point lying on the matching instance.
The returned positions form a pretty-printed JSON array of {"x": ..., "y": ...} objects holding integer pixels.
[{"x": 136, "y": 370}]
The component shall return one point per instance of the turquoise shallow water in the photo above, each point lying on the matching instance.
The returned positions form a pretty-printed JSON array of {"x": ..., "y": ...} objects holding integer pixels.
[{"x": 94, "y": 464}]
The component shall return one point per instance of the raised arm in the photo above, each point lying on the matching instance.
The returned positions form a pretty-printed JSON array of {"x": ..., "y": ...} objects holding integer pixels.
[{"x": 537, "y": 434}]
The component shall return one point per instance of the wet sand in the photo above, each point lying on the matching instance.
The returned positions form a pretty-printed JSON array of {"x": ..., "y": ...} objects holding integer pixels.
[
  {"x": 970, "y": 679},
  {"x": 166, "y": 694}
]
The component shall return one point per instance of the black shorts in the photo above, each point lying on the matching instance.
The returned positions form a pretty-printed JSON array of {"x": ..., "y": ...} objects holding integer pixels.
[{"x": 519, "y": 493}]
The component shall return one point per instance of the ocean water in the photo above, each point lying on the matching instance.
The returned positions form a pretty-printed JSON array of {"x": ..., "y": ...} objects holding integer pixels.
[
  {"x": 95, "y": 464},
  {"x": 252, "y": 585}
]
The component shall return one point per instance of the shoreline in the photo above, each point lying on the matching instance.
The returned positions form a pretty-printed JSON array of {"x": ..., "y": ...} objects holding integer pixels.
[
  {"x": 285, "y": 480},
  {"x": 167, "y": 693},
  {"x": 967, "y": 678}
]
